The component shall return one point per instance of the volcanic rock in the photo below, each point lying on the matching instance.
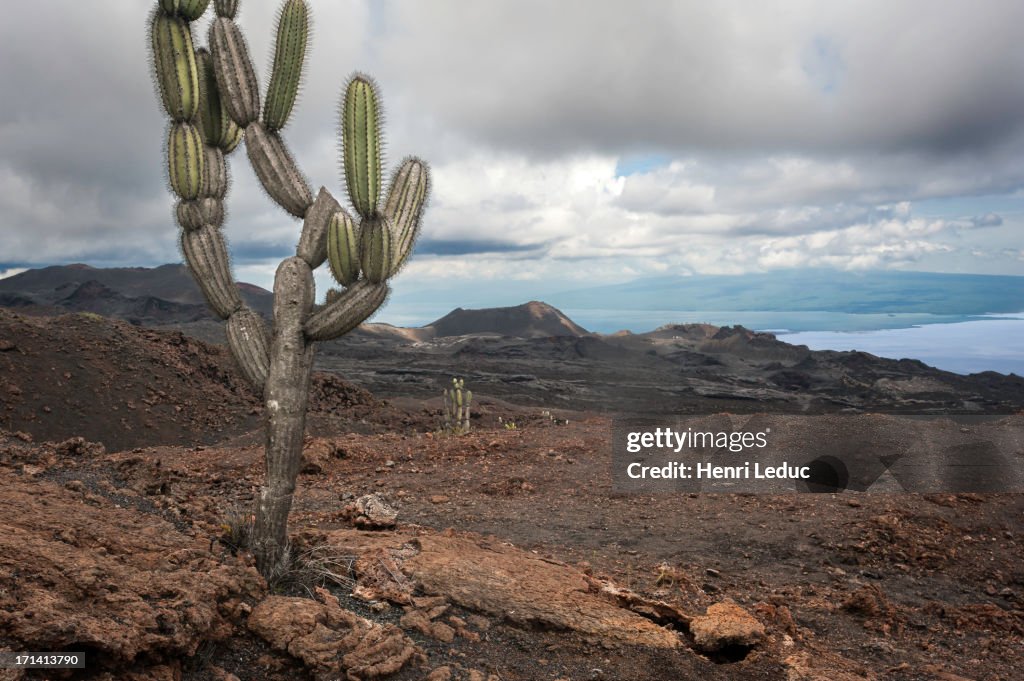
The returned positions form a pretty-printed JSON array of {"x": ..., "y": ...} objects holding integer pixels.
[
  {"x": 329, "y": 639},
  {"x": 725, "y": 625}
]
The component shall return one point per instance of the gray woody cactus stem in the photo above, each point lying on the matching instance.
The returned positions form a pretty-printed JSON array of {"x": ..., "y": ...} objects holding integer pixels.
[{"x": 213, "y": 100}]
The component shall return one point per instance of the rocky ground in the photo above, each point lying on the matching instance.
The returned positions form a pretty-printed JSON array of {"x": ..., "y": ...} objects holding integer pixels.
[{"x": 502, "y": 554}]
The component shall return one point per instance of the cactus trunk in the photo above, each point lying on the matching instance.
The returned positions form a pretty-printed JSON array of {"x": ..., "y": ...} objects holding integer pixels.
[{"x": 286, "y": 397}]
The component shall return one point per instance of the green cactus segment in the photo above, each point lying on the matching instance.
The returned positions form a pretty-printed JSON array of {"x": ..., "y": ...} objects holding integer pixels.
[
  {"x": 376, "y": 249},
  {"x": 175, "y": 64},
  {"x": 215, "y": 173},
  {"x": 226, "y": 8},
  {"x": 289, "y": 55},
  {"x": 343, "y": 248},
  {"x": 192, "y": 9},
  {"x": 207, "y": 258},
  {"x": 277, "y": 171},
  {"x": 250, "y": 344},
  {"x": 346, "y": 311},
  {"x": 236, "y": 78},
  {"x": 361, "y": 144},
  {"x": 185, "y": 160},
  {"x": 218, "y": 127},
  {"x": 169, "y": 6},
  {"x": 406, "y": 200}
]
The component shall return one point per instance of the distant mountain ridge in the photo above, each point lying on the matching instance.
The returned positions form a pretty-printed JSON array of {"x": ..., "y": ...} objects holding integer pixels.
[
  {"x": 167, "y": 295},
  {"x": 529, "y": 320},
  {"x": 535, "y": 353},
  {"x": 163, "y": 295}
]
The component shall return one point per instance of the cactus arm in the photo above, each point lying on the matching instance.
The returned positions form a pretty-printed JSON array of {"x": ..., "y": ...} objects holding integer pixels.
[
  {"x": 174, "y": 64},
  {"x": 276, "y": 169},
  {"x": 345, "y": 312},
  {"x": 407, "y": 198},
  {"x": 361, "y": 144},
  {"x": 313, "y": 241},
  {"x": 199, "y": 138},
  {"x": 233, "y": 69},
  {"x": 343, "y": 248},
  {"x": 249, "y": 341},
  {"x": 376, "y": 248},
  {"x": 268, "y": 153},
  {"x": 289, "y": 55},
  {"x": 207, "y": 257}
]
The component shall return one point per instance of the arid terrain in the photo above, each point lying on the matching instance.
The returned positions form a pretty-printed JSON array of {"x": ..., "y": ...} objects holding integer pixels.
[{"x": 130, "y": 456}]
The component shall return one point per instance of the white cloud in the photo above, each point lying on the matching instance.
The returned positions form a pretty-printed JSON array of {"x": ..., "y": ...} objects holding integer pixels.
[
  {"x": 11, "y": 271},
  {"x": 798, "y": 133}
]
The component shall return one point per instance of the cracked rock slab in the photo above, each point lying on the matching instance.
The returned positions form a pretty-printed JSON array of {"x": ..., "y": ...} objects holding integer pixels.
[{"x": 331, "y": 640}]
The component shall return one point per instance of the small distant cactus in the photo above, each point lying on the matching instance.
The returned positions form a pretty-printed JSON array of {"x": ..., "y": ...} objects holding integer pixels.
[
  {"x": 212, "y": 100},
  {"x": 456, "y": 408}
]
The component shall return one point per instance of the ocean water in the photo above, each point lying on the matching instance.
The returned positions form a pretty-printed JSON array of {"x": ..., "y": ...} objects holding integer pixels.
[{"x": 994, "y": 344}]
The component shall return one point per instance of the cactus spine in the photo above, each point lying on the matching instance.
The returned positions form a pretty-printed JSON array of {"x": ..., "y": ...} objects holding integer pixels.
[
  {"x": 456, "y": 407},
  {"x": 226, "y": 8},
  {"x": 212, "y": 99}
]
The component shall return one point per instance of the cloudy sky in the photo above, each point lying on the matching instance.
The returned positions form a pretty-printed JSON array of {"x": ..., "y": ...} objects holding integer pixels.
[{"x": 573, "y": 143}]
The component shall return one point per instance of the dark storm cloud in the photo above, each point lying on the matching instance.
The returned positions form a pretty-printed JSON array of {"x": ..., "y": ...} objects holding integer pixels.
[
  {"x": 467, "y": 246},
  {"x": 82, "y": 135},
  {"x": 804, "y": 77}
]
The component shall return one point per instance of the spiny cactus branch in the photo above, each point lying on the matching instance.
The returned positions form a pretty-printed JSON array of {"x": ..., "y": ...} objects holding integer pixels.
[
  {"x": 250, "y": 343},
  {"x": 346, "y": 311},
  {"x": 236, "y": 77},
  {"x": 361, "y": 144},
  {"x": 276, "y": 169},
  {"x": 289, "y": 55},
  {"x": 313, "y": 241}
]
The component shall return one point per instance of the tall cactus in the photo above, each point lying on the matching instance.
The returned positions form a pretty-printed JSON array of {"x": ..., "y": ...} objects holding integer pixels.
[{"x": 212, "y": 99}]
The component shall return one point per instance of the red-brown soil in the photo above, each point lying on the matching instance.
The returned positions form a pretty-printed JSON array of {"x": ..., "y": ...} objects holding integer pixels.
[
  {"x": 124, "y": 386},
  {"x": 513, "y": 558}
]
